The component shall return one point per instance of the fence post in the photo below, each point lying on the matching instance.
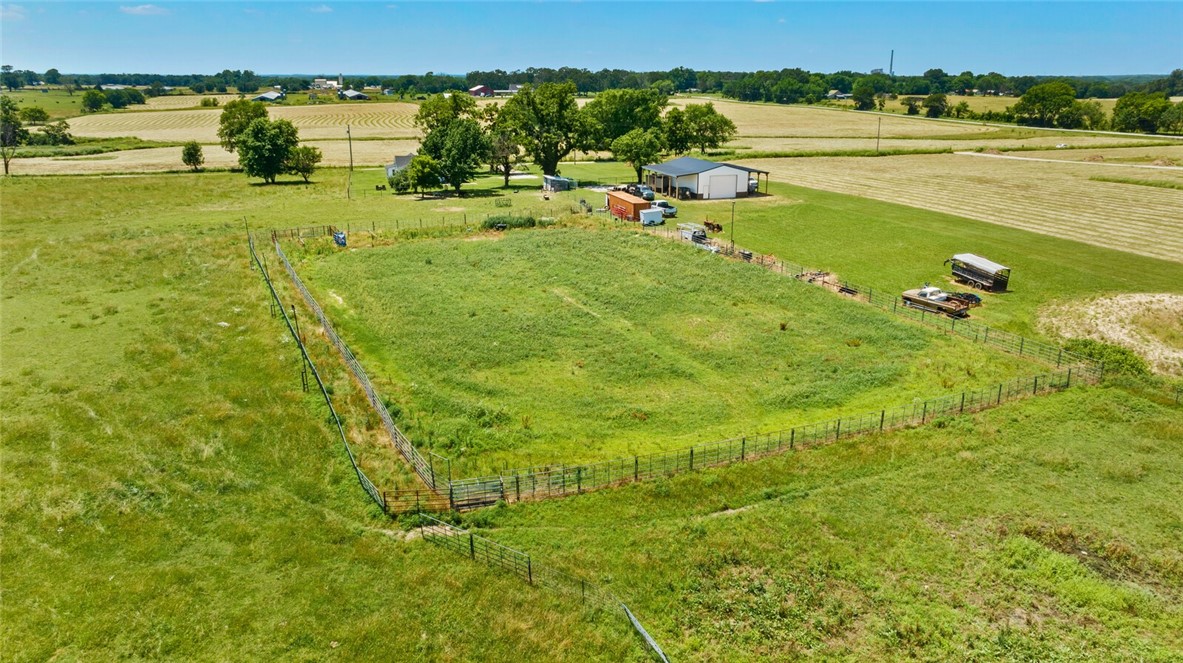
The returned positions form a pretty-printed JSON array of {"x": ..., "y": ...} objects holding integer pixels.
[
  {"x": 1069, "y": 384},
  {"x": 1035, "y": 389},
  {"x": 792, "y": 437},
  {"x": 743, "y": 448},
  {"x": 1102, "y": 377},
  {"x": 692, "y": 459},
  {"x": 838, "y": 429},
  {"x": 924, "y": 412},
  {"x": 986, "y": 336},
  {"x": 517, "y": 484},
  {"x": 579, "y": 479},
  {"x": 1059, "y": 357},
  {"x": 529, "y": 571},
  {"x": 1022, "y": 339},
  {"x": 636, "y": 468},
  {"x": 451, "y": 496},
  {"x": 471, "y": 545},
  {"x": 962, "y": 403},
  {"x": 999, "y": 394},
  {"x": 882, "y": 417}
]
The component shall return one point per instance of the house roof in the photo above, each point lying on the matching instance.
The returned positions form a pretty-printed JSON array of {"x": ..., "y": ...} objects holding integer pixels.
[
  {"x": 478, "y": 87},
  {"x": 354, "y": 94},
  {"x": 270, "y": 95},
  {"x": 402, "y": 161},
  {"x": 980, "y": 262},
  {"x": 691, "y": 166}
]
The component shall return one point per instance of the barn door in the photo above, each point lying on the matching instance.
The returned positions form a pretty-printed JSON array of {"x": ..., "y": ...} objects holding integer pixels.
[{"x": 722, "y": 186}]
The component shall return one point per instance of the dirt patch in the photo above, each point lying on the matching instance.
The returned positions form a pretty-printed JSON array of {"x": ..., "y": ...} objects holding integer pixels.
[
  {"x": 1094, "y": 158},
  {"x": 1149, "y": 324},
  {"x": 991, "y": 150},
  {"x": 450, "y": 209},
  {"x": 1163, "y": 161}
]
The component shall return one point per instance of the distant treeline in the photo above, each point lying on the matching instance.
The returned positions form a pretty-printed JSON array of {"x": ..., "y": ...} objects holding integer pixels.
[{"x": 781, "y": 86}]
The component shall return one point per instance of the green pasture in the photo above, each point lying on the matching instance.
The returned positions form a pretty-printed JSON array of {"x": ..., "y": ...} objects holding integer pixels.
[
  {"x": 560, "y": 346},
  {"x": 169, "y": 492},
  {"x": 56, "y": 101}
]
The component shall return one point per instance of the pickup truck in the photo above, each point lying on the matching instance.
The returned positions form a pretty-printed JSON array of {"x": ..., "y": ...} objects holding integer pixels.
[{"x": 666, "y": 208}]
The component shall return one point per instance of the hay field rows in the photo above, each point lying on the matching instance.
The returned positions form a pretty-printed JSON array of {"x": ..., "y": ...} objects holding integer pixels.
[
  {"x": 385, "y": 120},
  {"x": 1048, "y": 198},
  {"x": 971, "y": 142},
  {"x": 366, "y": 153},
  {"x": 1128, "y": 155},
  {"x": 178, "y": 101}
]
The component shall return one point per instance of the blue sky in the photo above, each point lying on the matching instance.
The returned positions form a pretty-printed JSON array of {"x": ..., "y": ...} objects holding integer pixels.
[{"x": 455, "y": 37}]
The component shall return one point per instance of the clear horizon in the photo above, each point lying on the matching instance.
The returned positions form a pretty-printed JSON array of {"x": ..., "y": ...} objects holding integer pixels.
[{"x": 385, "y": 38}]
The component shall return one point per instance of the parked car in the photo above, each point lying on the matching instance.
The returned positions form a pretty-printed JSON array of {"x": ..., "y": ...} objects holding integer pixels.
[
  {"x": 645, "y": 192},
  {"x": 753, "y": 185},
  {"x": 666, "y": 208},
  {"x": 684, "y": 193}
]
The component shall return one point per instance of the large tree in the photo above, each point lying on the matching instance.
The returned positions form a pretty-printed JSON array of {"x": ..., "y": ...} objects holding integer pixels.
[
  {"x": 505, "y": 144},
  {"x": 302, "y": 161},
  {"x": 935, "y": 104},
  {"x": 265, "y": 147},
  {"x": 637, "y": 148},
  {"x": 12, "y": 132},
  {"x": 93, "y": 101},
  {"x": 34, "y": 115},
  {"x": 1042, "y": 104},
  {"x": 236, "y": 116},
  {"x": 53, "y": 77},
  {"x": 192, "y": 156},
  {"x": 675, "y": 131},
  {"x": 441, "y": 109},
  {"x": 459, "y": 147},
  {"x": 1140, "y": 111},
  {"x": 419, "y": 175},
  {"x": 549, "y": 122},
  {"x": 708, "y": 128},
  {"x": 614, "y": 113}
]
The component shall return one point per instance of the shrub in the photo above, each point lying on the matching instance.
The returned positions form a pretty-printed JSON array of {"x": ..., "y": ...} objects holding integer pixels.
[
  {"x": 510, "y": 221},
  {"x": 1116, "y": 358},
  {"x": 209, "y": 102}
]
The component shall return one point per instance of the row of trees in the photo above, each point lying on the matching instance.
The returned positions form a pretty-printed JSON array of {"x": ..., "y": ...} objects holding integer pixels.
[
  {"x": 266, "y": 148},
  {"x": 544, "y": 124},
  {"x": 784, "y": 85}
]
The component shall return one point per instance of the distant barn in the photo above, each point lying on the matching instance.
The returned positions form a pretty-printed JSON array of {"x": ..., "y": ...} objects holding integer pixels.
[{"x": 687, "y": 177}]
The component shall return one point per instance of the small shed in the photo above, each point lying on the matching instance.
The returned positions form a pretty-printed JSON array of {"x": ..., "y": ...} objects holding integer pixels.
[
  {"x": 270, "y": 95},
  {"x": 625, "y": 206},
  {"x": 556, "y": 183},
  {"x": 353, "y": 95},
  {"x": 709, "y": 180},
  {"x": 980, "y": 272}
]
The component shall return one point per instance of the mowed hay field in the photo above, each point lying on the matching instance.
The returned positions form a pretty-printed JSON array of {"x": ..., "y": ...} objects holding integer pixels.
[
  {"x": 367, "y": 120},
  {"x": 1050, "y": 198},
  {"x": 162, "y": 159}
]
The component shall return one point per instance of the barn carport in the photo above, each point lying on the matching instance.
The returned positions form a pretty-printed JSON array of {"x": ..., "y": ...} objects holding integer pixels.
[{"x": 688, "y": 177}]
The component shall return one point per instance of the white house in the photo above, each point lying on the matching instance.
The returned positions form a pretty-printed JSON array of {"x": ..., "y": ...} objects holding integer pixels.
[
  {"x": 400, "y": 163},
  {"x": 709, "y": 180}
]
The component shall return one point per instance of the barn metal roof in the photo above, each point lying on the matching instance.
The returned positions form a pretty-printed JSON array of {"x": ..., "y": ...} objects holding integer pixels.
[
  {"x": 980, "y": 262},
  {"x": 691, "y": 166}
]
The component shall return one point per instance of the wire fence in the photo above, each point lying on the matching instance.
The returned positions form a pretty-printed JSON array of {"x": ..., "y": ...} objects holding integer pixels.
[
  {"x": 444, "y": 493},
  {"x": 308, "y": 367},
  {"x": 519, "y": 564}
]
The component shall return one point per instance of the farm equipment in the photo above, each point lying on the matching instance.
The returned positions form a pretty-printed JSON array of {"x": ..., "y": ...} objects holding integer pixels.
[
  {"x": 979, "y": 272},
  {"x": 935, "y": 300},
  {"x": 339, "y": 238},
  {"x": 971, "y": 300}
]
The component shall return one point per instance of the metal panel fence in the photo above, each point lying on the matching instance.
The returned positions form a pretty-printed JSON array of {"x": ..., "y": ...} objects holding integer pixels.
[
  {"x": 364, "y": 480},
  {"x": 519, "y": 564},
  {"x": 547, "y": 482}
]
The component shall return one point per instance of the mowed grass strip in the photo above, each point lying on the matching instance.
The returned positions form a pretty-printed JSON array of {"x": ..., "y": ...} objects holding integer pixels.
[{"x": 562, "y": 346}]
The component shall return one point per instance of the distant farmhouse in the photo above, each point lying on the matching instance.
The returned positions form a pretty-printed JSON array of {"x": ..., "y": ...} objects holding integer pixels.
[
  {"x": 512, "y": 90},
  {"x": 400, "y": 164},
  {"x": 328, "y": 84}
]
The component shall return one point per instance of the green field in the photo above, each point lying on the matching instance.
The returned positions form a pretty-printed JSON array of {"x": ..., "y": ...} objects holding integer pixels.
[
  {"x": 171, "y": 493},
  {"x": 57, "y": 102},
  {"x": 562, "y": 346}
]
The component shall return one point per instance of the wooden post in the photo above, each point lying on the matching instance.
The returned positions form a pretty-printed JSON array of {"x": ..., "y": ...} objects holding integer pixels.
[
  {"x": 838, "y": 429},
  {"x": 529, "y": 571},
  {"x": 924, "y": 413},
  {"x": 792, "y": 437},
  {"x": 691, "y": 458},
  {"x": 1022, "y": 339},
  {"x": 882, "y": 417},
  {"x": 636, "y": 468},
  {"x": 1059, "y": 357},
  {"x": 963, "y": 402},
  {"x": 471, "y": 545},
  {"x": 743, "y": 448},
  {"x": 999, "y": 394},
  {"x": 517, "y": 484},
  {"x": 1035, "y": 389},
  {"x": 1069, "y": 378},
  {"x": 579, "y": 479}
]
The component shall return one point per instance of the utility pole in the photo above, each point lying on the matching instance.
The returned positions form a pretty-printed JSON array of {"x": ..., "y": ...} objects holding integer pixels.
[
  {"x": 891, "y": 64},
  {"x": 349, "y": 180},
  {"x": 733, "y": 225},
  {"x": 878, "y": 131}
]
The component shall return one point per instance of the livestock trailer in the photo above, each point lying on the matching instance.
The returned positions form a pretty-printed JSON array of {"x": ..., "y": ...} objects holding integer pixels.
[
  {"x": 556, "y": 183},
  {"x": 980, "y": 272},
  {"x": 625, "y": 206}
]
